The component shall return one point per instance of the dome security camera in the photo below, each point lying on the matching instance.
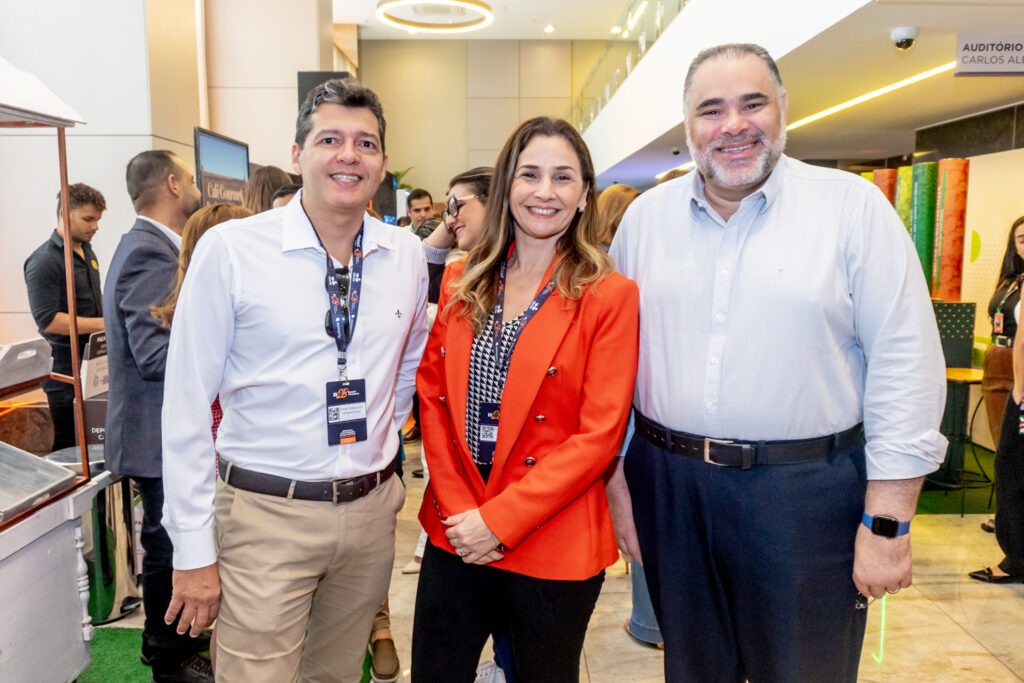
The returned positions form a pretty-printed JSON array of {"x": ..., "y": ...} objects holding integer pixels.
[
  {"x": 903, "y": 37},
  {"x": 675, "y": 151}
]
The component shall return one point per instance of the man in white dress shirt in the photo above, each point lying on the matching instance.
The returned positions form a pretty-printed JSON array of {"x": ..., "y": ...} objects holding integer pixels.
[
  {"x": 789, "y": 391},
  {"x": 293, "y": 551}
]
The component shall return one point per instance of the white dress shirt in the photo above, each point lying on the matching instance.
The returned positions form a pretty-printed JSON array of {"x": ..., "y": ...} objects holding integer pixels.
[
  {"x": 249, "y": 327},
  {"x": 804, "y": 314}
]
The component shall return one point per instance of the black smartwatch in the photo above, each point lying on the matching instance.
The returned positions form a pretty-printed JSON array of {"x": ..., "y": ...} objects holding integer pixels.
[{"x": 889, "y": 527}]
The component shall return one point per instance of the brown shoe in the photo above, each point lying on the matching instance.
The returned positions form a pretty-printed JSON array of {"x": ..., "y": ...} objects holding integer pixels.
[
  {"x": 385, "y": 668},
  {"x": 412, "y": 435}
]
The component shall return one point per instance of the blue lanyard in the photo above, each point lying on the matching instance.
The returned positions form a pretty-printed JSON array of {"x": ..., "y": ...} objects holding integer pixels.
[
  {"x": 343, "y": 332},
  {"x": 532, "y": 309}
]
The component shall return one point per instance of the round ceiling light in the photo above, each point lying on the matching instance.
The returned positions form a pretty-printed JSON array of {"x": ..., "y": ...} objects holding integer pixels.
[{"x": 435, "y": 16}]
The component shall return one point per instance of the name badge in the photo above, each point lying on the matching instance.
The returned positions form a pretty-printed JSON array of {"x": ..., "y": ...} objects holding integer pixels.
[
  {"x": 346, "y": 412},
  {"x": 997, "y": 323},
  {"x": 489, "y": 413}
]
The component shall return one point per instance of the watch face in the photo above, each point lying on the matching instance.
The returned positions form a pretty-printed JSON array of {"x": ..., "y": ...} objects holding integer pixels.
[{"x": 885, "y": 526}]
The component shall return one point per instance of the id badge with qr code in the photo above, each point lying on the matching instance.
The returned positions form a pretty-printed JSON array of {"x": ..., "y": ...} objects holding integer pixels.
[
  {"x": 346, "y": 412},
  {"x": 489, "y": 414}
]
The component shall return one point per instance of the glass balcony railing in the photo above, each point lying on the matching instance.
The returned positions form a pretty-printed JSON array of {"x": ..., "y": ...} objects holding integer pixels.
[{"x": 639, "y": 26}]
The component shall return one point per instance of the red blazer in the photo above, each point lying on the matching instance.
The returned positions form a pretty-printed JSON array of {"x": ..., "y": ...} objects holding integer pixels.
[{"x": 563, "y": 414}]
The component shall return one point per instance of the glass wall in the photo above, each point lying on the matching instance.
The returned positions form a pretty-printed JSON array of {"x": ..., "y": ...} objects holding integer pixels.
[{"x": 641, "y": 23}]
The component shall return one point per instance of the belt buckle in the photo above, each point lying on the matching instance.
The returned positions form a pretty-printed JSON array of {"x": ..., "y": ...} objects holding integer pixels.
[
  {"x": 707, "y": 450},
  {"x": 334, "y": 492}
]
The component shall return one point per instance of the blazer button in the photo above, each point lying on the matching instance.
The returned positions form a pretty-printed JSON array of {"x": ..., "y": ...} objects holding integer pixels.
[
  {"x": 540, "y": 418},
  {"x": 442, "y": 352},
  {"x": 442, "y": 399},
  {"x": 530, "y": 462},
  {"x": 552, "y": 371}
]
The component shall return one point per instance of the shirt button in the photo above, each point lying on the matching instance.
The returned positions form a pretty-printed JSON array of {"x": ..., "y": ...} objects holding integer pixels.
[
  {"x": 711, "y": 405},
  {"x": 724, "y": 272},
  {"x": 540, "y": 418},
  {"x": 718, "y": 316},
  {"x": 530, "y": 462},
  {"x": 714, "y": 360}
]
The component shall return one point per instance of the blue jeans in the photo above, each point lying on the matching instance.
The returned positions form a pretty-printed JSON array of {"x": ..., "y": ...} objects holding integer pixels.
[{"x": 642, "y": 622}]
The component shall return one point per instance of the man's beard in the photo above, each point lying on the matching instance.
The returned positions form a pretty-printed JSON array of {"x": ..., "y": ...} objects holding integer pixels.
[
  {"x": 746, "y": 174},
  {"x": 191, "y": 207}
]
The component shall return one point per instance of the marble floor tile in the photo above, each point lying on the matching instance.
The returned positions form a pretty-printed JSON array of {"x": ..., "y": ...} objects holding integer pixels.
[{"x": 946, "y": 627}]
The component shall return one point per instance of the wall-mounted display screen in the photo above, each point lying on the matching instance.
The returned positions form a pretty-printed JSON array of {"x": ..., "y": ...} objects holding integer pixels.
[{"x": 222, "y": 167}]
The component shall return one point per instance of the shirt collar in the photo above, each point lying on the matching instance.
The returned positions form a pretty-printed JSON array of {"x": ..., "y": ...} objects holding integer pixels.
[
  {"x": 56, "y": 238},
  {"x": 297, "y": 231},
  {"x": 765, "y": 194},
  {"x": 174, "y": 237}
]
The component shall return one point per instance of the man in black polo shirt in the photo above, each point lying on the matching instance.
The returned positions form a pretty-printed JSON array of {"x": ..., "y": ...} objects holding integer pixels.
[{"x": 48, "y": 298}]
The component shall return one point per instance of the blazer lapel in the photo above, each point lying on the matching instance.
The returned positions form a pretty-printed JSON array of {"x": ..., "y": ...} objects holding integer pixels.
[
  {"x": 531, "y": 359},
  {"x": 457, "y": 351},
  {"x": 146, "y": 226}
]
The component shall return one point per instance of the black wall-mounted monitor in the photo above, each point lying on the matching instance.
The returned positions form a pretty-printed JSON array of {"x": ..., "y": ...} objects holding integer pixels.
[
  {"x": 310, "y": 79},
  {"x": 222, "y": 167}
]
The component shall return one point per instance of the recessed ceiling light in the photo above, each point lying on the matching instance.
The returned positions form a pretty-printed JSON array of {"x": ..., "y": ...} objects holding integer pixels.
[
  {"x": 481, "y": 14},
  {"x": 549, "y": 29},
  {"x": 616, "y": 29},
  {"x": 625, "y": 34}
]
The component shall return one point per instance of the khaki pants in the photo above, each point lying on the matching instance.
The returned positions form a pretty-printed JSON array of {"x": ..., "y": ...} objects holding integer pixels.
[{"x": 301, "y": 582}]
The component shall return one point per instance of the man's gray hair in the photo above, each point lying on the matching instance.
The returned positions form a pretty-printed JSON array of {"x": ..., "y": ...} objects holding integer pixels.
[
  {"x": 348, "y": 92},
  {"x": 731, "y": 50}
]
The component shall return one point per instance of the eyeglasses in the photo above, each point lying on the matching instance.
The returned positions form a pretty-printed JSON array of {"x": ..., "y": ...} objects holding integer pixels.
[
  {"x": 341, "y": 276},
  {"x": 455, "y": 204}
]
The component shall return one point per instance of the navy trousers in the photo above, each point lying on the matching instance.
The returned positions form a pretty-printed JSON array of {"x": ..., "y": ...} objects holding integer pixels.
[{"x": 750, "y": 571}]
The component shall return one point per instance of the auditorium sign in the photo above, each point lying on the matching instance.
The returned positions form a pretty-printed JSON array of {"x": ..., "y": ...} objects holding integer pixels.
[{"x": 989, "y": 55}]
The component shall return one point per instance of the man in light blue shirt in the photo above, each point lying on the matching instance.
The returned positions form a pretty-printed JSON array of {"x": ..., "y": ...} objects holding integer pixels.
[{"x": 789, "y": 390}]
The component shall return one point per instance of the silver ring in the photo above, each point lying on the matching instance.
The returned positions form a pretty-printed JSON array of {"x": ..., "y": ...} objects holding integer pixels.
[{"x": 461, "y": 552}]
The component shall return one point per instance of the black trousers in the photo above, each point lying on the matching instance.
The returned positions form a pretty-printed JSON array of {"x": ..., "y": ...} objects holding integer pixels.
[
  {"x": 1009, "y": 474},
  {"x": 160, "y": 642},
  {"x": 459, "y": 605},
  {"x": 62, "y": 410},
  {"x": 750, "y": 572}
]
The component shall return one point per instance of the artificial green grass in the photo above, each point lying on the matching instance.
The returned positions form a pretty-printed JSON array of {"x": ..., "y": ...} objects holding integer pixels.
[{"x": 115, "y": 658}]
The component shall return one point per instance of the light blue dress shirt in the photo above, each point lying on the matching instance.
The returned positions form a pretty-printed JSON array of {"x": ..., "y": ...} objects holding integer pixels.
[{"x": 802, "y": 315}]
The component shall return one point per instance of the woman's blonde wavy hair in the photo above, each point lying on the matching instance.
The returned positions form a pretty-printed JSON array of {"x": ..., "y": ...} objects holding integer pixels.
[{"x": 581, "y": 261}]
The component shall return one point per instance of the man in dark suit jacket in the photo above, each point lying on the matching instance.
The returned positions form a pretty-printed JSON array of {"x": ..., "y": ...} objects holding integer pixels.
[{"x": 141, "y": 275}]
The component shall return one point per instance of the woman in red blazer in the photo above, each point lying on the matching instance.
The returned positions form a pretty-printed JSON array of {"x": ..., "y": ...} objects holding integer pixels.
[{"x": 525, "y": 387}]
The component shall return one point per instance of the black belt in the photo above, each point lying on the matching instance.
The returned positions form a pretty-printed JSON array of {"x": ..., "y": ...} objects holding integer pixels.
[
  {"x": 336, "y": 491},
  {"x": 1002, "y": 340},
  {"x": 745, "y": 454}
]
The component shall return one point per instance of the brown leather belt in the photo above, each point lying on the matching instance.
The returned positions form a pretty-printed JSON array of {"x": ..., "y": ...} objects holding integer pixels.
[
  {"x": 746, "y": 454},
  {"x": 335, "y": 491}
]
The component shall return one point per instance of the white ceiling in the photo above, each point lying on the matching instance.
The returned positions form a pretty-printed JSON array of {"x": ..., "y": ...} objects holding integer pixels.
[
  {"x": 856, "y": 56},
  {"x": 513, "y": 20},
  {"x": 851, "y": 58}
]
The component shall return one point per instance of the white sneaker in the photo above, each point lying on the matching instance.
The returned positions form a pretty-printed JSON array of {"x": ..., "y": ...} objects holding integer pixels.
[{"x": 489, "y": 672}]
